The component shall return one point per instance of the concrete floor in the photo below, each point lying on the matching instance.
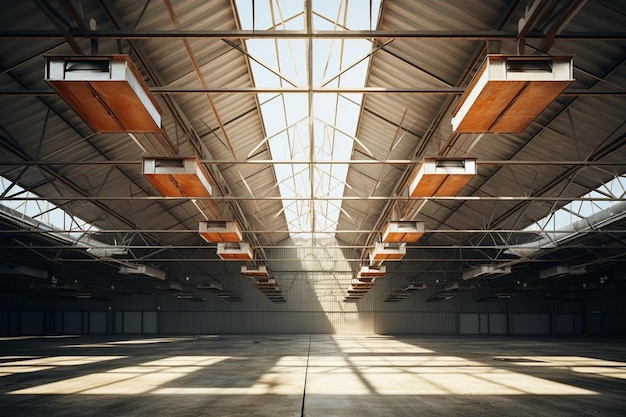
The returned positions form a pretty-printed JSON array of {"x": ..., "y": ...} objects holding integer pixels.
[{"x": 317, "y": 375}]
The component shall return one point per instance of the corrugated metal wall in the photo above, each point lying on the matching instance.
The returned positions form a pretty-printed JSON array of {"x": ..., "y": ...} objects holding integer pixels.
[{"x": 314, "y": 279}]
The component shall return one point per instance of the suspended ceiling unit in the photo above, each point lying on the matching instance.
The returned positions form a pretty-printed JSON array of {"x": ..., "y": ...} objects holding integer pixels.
[
  {"x": 106, "y": 91},
  {"x": 217, "y": 231},
  {"x": 362, "y": 285},
  {"x": 486, "y": 271},
  {"x": 210, "y": 287},
  {"x": 255, "y": 271},
  {"x": 396, "y": 297},
  {"x": 403, "y": 232},
  {"x": 414, "y": 287},
  {"x": 387, "y": 252},
  {"x": 178, "y": 176},
  {"x": 561, "y": 271},
  {"x": 509, "y": 91},
  {"x": 170, "y": 286},
  {"x": 143, "y": 271},
  {"x": 371, "y": 272},
  {"x": 441, "y": 177},
  {"x": 235, "y": 251}
]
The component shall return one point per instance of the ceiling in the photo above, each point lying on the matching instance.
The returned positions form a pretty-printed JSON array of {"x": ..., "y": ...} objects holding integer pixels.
[{"x": 194, "y": 58}]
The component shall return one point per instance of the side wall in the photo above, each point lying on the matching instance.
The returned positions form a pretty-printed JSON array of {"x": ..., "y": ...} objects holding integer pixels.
[{"x": 163, "y": 313}]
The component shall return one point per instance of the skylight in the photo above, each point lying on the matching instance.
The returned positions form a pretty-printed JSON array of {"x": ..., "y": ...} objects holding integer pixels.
[
  {"x": 310, "y": 129},
  {"x": 45, "y": 213},
  {"x": 584, "y": 208}
]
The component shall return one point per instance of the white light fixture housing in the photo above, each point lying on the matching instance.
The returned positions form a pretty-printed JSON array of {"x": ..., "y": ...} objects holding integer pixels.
[
  {"x": 211, "y": 287},
  {"x": 235, "y": 251},
  {"x": 486, "y": 271},
  {"x": 441, "y": 177},
  {"x": 220, "y": 231},
  {"x": 561, "y": 270},
  {"x": 142, "y": 270},
  {"x": 414, "y": 287},
  {"x": 403, "y": 232},
  {"x": 509, "y": 91},
  {"x": 255, "y": 271},
  {"x": 387, "y": 252},
  {"x": 371, "y": 271},
  {"x": 106, "y": 91},
  {"x": 178, "y": 176}
]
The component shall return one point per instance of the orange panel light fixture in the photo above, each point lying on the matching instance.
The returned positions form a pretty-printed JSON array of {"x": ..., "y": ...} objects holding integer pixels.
[
  {"x": 178, "y": 176},
  {"x": 509, "y": 91},
  {"x": 235, "y": 251},
  {"x": 441, "y": 177},
  {"x": 255, "y": 271},
  {"x": 219, "y": 231},
  {"x": 388, "y": 251},
  {"x": 403, "y": 232},
  {"x": 371, "y": 272},
  {"x": 106, "y": 91}
]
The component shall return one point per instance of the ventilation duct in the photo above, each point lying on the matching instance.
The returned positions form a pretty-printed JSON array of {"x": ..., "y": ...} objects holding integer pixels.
[
  {"x": 509, "y": 92},
  {"x": 107, "y": 92},
  {"x": 605, "y": 218}
]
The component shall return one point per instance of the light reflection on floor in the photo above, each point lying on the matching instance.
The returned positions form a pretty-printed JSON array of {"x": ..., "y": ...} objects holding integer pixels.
[{"x": 341, "y": 365}]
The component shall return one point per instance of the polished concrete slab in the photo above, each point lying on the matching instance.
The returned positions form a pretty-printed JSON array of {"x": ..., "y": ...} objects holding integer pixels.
[{"x": 311, "y": 375}]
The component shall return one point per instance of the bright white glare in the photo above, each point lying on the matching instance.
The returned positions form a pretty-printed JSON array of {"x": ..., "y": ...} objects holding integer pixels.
[
  {"x": 577, "y": 210},
  {"x": 312, "y": 129},
  {"x": 43, "y": 211}
]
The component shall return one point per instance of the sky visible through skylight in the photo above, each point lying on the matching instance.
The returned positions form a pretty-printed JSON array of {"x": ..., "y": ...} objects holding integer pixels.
[{"x": 324, "y": 130}]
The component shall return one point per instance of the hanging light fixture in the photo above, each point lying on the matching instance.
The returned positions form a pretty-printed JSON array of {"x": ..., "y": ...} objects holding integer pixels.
[{"x": 509, "y": 91}]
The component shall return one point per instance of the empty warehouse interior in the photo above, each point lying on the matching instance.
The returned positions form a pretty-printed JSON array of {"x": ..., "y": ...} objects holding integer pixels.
[{"x": 272, "y": 207}]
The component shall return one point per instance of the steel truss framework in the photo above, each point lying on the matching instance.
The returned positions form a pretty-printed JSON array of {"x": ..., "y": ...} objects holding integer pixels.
[{"x": 467, "y": 246}]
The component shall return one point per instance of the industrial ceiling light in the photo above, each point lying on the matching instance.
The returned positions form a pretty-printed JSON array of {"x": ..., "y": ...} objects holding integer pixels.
[
  {"x": 170, "y": 286},
  {"x": 210, "y": 287},
  {"x": 182, "y": 177},
  {"x": 362, "y": 285},
  {"x": 255, "y": 271},
  {"x": 106, "y": 91},
  {"x": 441, "y": 177},
  {"x": 178, "y": 176},
  {"x": 371, "y": 271},
  {"x": 509, "y": 91},
  {"x": 142, "y": 270},
  {"x": 387, "y": 252},
  {"x": 414, "y": 287},
  {"x": 218, "y": 231},
  {"x": 235, "y": 251},
  {"x": 486, "y": 271},
  {"x": 561, "y": 270},
  {"x": 403, "y": 232}
]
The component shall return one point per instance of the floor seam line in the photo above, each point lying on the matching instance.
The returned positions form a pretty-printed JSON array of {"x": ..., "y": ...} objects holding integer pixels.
[{"x": 306, "y": 374}]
